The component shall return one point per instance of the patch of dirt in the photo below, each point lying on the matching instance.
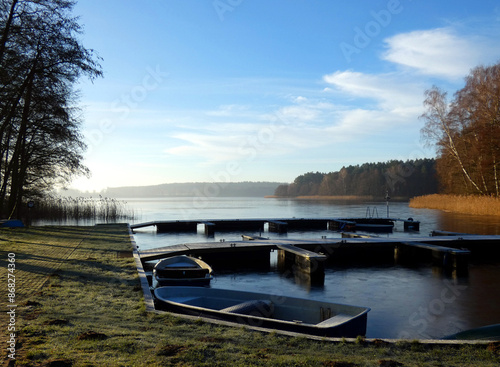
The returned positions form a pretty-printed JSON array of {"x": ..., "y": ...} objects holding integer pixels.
[
  {"x": 32, "y": 304},
  {"x": 380, "y": 343},
  {"x": 339, "y": 364},
  {"x": 494, "y": 347},
  {"x": 92, "y": 335},
  {"x": 263, "y": 353},
  {"x": 58, "y": 363},
  {"x": 57, "y": 322},
  {"x": 389, "y": 363},
  {"x": 211, "y": 339},
  {"x": 32, "y": 310},
  {"x": 170, "y": 350},
  {"x": 137, "y": 288}
]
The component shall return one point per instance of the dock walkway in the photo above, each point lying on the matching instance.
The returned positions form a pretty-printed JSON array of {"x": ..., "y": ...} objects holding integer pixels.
[
  {"x": 279, "y": 225},
  {"x": 444, "y": 243},
  {"x": 309, "y": 256}
]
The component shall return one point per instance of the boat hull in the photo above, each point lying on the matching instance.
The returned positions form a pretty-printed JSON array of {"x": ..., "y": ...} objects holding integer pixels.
[
  {"x": 266, "y": 311},
  {"x": 181, "y": 270},
  {"x": 192, "y": 282}
]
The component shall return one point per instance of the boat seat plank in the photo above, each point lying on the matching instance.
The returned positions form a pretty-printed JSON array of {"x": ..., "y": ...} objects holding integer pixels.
[
  {"x": 186, "y": 300},
  {"x": 335, "y": 320},
  {"x": 262, "y": 308},
  {"x": 183, "y": 265}
]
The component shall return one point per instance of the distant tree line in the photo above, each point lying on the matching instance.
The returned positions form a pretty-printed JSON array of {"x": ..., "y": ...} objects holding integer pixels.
[
  {"x": 41, "y": 59},
  {"x": 466, "y": 133},
  {"x": 397, "y": 178},
  {"x": 195, "y": 189}
]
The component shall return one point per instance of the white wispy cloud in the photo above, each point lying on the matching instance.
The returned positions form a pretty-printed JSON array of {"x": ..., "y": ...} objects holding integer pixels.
[
  {"x": 438, "y": 52},
  {"x": 228, "y": 111},
  {"x": 351, "y": 106},
  {"x": 304, "y": 124},
  {"x": 390, "y": 92},
  {"x": 300, "y": 114},
  {"x": 300, "y": 99}
]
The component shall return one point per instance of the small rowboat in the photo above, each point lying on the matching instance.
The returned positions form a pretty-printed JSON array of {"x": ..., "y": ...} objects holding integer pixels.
[
  {"x": 264, "y": 310},
  {"x": 181, "y": 270}
]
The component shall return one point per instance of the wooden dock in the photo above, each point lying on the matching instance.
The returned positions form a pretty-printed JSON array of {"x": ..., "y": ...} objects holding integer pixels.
[
  {"x": 446, "y": 257},
  {"x": 472, "y": 243},
  {"x": 309, "y": 256},
  {"x": 280, "y": 225}
]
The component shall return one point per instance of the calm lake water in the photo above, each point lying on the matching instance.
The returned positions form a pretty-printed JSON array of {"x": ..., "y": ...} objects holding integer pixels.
[{"x": 406, "y": 302}]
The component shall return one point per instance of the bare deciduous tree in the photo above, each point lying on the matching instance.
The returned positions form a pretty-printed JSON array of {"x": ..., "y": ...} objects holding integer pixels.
[{"x": 466, "y": 132}]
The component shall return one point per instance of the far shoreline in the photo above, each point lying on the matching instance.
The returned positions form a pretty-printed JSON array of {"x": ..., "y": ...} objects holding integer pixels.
[
  {"x": 339, "y": 198},
  {"x": 461, "y": 204}
]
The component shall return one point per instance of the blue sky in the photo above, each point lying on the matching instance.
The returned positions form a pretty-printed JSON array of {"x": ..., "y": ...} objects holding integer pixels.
[{"x": 259, "y": 90}]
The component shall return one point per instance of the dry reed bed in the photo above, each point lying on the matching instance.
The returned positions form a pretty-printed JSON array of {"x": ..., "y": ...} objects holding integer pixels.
[
  {"x": 477, "y": 205},
  {"x": 81, "y": 208}
]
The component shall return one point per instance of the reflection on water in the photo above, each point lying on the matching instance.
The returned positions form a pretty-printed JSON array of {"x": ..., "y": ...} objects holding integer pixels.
[
  {"x": 406, "y": 302},
  {"x": 468, "y": 223}
]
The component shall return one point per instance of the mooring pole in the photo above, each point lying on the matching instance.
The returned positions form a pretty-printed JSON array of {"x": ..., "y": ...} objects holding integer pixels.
[{"x": 387, "y": 197}]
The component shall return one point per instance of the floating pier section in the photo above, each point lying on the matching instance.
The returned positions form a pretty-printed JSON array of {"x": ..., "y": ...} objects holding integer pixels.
[
  {"x": 280, "y": 225},
  {"x": 448, "y": 250},
  {"x": 446, "y": 257}
]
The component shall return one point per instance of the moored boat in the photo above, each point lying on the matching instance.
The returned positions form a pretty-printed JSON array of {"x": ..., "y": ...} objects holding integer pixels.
[
  {"x": 181, "y": 270},
  {"x": 265, "y": 310},
  {"x": 374, "y": 224}
]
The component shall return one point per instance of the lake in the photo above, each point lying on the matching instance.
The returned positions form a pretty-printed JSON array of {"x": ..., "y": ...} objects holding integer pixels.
[{"x": 417, "y": 302}]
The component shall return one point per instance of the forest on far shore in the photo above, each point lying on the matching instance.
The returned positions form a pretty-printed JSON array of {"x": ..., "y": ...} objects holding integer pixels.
[{"x": 396, "y": 178}]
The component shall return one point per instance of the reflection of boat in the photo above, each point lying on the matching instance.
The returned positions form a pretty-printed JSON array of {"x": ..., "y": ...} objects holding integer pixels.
[
  {"x": 364, "y": 224},
  {"x": 490, "y": 332},
  {"x": 374, "y": 224},
  {"x": 265, "y": 310},
  {"x": 181, "y": 270}
]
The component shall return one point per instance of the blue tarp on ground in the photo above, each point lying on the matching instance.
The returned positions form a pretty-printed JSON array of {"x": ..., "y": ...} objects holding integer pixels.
[{"x": 11, "y": 223}]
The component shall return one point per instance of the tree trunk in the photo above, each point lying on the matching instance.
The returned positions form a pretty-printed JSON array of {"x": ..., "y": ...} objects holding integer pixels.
[
  {"x": 6, "y": 30},
  {"x": 17, "y": 180},
  {"x": 456, "y": 154}
]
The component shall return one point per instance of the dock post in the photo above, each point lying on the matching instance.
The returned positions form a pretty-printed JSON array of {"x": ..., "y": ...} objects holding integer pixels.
[
  {"x": 310, "y": 267},
  {"x": 209, "y": 229},
  {"x": 334, "y": 225},
  {"x": 404, "y": 254},
  {"x": 411, "y": 225},
  {"x": 452, "y": 260},
  {"x": 447, "y": 258},
  {"x": 278, "y": 226}
]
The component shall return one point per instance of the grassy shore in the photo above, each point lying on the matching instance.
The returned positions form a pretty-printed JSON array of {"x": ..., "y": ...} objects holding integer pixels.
[
  {"x": 477, "y": 205},
  {"x": 80, "y": 303}
]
